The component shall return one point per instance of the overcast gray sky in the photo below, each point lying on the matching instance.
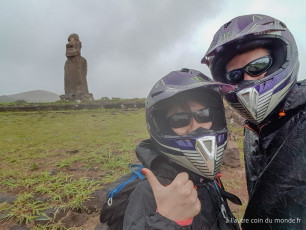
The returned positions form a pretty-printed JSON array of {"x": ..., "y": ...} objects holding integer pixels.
[{"x": 128, "y": 44}]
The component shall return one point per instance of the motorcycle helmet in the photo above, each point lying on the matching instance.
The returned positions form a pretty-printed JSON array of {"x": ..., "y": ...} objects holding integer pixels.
[
  {"x": 201, "y": 150},
  {"x": 256, "y": 99}
]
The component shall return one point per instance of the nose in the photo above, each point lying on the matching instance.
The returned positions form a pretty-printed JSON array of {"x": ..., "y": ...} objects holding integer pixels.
[
  {"x": 193, "y": 125},
  {"x": 248, "y": 77}
]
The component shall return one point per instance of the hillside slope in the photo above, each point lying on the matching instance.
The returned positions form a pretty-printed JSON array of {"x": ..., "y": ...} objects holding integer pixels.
[{"x": 34, "y": 96}]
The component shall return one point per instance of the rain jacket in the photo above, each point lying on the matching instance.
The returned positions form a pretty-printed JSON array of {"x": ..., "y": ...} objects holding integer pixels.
[
  {"x": 275, "y": 158},
  {"x": 140, "y": 207}
]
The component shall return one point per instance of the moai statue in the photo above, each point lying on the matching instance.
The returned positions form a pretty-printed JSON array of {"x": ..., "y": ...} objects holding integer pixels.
[{"x": 75, "y": 72}]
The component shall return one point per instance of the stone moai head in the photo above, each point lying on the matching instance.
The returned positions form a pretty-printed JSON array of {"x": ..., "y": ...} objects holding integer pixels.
[{"x": 73, "y": 47}]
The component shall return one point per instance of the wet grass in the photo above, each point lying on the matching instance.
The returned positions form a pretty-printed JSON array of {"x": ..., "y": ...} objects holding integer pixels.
[
  {"x": 57, "y": 159},
  {"x": 52, "y": 160}
]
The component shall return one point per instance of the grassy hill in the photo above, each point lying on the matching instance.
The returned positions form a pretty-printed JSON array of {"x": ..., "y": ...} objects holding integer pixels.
[{"x": 35, "y": 96}]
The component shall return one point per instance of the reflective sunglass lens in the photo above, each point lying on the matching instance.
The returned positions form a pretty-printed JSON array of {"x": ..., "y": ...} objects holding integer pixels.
[
  {"x": 258, "y": 66},
  {"x": 234, "y": 76},
  {"x": 204, "y": 115},
  {"x": 179, "y": 120}
]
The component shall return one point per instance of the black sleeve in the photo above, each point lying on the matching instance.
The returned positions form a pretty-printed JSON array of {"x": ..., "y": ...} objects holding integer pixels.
[{"x": 141, "y": 212}]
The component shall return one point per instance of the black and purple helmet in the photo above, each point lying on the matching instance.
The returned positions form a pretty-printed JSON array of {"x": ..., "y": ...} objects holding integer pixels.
[
  {"x": 200, "y": 151},
  {"x": 255, "y": 100}
]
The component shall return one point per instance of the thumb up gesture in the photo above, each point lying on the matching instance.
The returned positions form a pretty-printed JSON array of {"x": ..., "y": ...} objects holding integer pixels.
[{"x": 179, "y": 200}]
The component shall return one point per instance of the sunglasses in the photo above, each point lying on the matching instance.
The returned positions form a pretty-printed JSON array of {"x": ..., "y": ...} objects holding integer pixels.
[
  {"x": 179, "y": 120},
  {"x": 254, "y": 68}
]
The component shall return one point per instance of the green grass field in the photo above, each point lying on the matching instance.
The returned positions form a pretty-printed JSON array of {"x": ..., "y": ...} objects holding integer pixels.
[{"x": 57, "y": 159}]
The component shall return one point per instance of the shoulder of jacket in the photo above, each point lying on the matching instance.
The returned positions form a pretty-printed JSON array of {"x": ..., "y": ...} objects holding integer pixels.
[{"x": 296, "y": 97}]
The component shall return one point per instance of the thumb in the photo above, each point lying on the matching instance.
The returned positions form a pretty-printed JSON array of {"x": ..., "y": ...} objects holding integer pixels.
[{"x": 152, "y": 180}]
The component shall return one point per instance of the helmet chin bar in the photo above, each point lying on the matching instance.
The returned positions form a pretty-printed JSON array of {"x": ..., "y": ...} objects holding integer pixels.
[
  {"x": 209, "y": 156},
  {"x": 205, "y": 160},
  {"x": 249, "y": 98},
  {"x": 206, "y": 146},
  {"x": 255, "y": 107}
]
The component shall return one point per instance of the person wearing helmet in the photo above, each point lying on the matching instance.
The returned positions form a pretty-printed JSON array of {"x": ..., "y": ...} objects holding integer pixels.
[
  {"x": 256, "y": 58},
  {"x": 188, "y": 134}
]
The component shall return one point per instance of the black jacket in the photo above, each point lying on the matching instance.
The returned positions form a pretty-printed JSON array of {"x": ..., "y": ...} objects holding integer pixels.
[
  {"x": 140, "y": 212},
  {"x": 275, "y": 157}
]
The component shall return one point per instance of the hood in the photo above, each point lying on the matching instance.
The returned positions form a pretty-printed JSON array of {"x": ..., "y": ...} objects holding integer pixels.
[{"x": 296, "y": 97}]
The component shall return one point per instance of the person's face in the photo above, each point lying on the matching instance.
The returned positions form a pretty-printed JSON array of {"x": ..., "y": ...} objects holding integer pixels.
[
  {"x": 193, "y": 106},
  {"x": 243, "y": 59}
]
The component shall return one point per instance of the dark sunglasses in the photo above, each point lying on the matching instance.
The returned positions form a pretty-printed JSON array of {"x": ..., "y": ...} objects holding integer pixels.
[
  {"x": 254, "y": 68},
  {"x": 179, "y": 120}
]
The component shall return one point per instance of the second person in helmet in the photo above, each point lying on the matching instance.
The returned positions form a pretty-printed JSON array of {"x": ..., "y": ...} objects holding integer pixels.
[{"x": 257, "y": 55}]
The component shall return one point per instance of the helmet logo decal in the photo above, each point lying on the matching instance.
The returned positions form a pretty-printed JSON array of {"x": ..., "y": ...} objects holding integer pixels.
[
  {"x": 224, "y": 37},
  {"x": 196, "y": 78}
]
